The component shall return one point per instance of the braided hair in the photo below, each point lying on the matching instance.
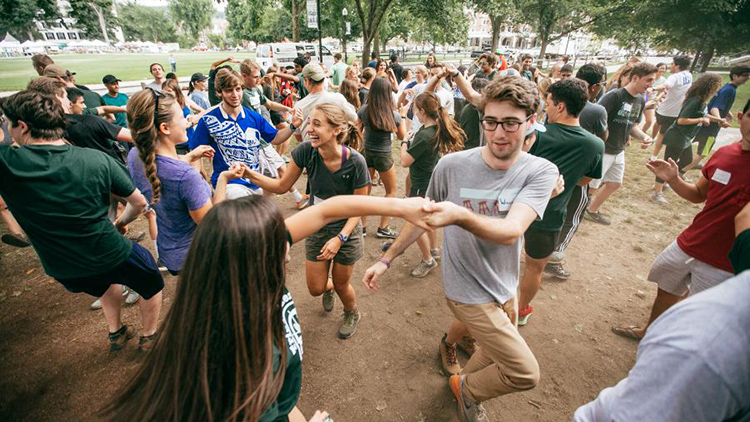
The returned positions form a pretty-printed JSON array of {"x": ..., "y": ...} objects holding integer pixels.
[{"x": 144, "y": 122}]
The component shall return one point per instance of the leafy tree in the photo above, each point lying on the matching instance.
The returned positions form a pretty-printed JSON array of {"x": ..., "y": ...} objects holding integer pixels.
[
  {"x": 94, "y": 17},
  {"x": 370, "y": 16},
  {"x": 17, "y": 16},
  {"x": 142, "y": 23},
  {"x": 193, "y": 16},
  {"x": 500, "y": 12},
  {"x": 245, "y": 18}
]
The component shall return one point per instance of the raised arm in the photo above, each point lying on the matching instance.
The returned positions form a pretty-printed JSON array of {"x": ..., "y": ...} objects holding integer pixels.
[
  {"x": 464, "y": 86},
  {"x": 669, "y": 172}
]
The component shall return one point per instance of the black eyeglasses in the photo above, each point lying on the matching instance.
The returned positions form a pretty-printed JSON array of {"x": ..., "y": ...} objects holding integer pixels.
[{"x": 508, "y": 126}]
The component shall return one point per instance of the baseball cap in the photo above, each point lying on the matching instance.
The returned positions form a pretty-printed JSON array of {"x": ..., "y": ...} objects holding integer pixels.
[
  {"x": 56, "y": 71},
  {"x": 535, "y": 127},
  {"x": 313, "y": 71},
  {"x": 110, "y": 79},
  {"x": 197, "y": 76}
]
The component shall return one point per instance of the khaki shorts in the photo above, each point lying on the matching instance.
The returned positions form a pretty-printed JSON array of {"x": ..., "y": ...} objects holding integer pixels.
[
  {"x": 236, "y": 190},
  {"x": 613, "y": 169},
  {"x": 349, "y": 253},
  {"x": 380, "y": 161},
  {"x": 678, "y": 273}
]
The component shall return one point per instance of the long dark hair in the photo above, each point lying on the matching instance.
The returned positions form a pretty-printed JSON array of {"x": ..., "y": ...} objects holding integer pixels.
[
  {"x": 449, "y": 136},
  {"x": 213, "y": 359},
  {"x": 703, "y": 88},
  {"x": 173, "y": 85},
  {"x": 144, "y": 122},
  {"x": 380, "y": 105}
]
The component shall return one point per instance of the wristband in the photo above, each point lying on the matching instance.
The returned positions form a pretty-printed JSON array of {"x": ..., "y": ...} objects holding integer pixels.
[
  {"x": 385, "y": 262},
  {"x": 342, "y": 237},
  {"x": 456, "y": 73},
  {"x": 291, "y": 126}
]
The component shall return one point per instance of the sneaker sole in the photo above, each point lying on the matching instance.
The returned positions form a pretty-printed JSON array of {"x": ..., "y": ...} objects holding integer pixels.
[
  {"x": 523, "y": 320},
  {"x": 383, "y": 236},
  {"x": 425, "y": 274},
  {"x": 454, "y": 382},
  {"x": 555, "y": 275},
  {"x": 11, "y": 240}
]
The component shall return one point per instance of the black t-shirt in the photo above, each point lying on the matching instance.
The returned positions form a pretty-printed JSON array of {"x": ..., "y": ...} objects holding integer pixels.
[
  {"x": 623, "y": 110},
  {"x": 88, "y": 131},
  {"x": 322, "y": 183},
  {"x": 740, "y": 253},
  {"x": 469, "y": 122},
  {"x": 426, "y": 156},
  {"x": 398, "y": 70},
  {"x": 576, "y": 153},
  {"x": 363, "y": 95},
  {"x": 377, "y": 140}
]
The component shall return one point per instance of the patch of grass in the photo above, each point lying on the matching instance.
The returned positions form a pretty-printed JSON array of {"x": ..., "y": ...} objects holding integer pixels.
[{"x": 16, "y": 72}]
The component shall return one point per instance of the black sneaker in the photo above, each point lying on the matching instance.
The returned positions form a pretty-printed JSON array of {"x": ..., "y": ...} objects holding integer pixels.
[
  {"x": 18, "y": 241},
  {"x": 557, "y": 271},
  {"x": 146, "y": 343},
  {"x": 386, "y": 233},
  {"x": 120, "y": 338}
]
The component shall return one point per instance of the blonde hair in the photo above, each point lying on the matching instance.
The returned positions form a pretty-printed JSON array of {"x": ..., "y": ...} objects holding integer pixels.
[
  {"x": 336, "y": 116},
  {"x": 144, "y": 122}
]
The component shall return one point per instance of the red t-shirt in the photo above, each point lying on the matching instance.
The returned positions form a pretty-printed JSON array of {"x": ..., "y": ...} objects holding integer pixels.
[{"x": 710, "y": 237}]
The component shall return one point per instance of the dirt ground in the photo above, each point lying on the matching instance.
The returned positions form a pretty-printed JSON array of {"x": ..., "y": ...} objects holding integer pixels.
[{"x": 55, "y": 364}]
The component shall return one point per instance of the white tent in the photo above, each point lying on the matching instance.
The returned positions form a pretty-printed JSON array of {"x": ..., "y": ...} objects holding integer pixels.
[{"x": 10, "y": 46}]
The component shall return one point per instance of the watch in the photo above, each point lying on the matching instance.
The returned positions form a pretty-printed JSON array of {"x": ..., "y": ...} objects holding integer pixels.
[
  {"x": 291, "y": 127},
  {"x": 343, "y": 238}
]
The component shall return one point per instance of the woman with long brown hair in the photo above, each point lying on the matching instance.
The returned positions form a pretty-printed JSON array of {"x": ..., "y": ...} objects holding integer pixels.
[
  {"x": 439, "y": 135},
  {"x": 176, "y": 191},
  {"x": 678, "y": 138},
  {"x": 332, "y": 169},
  {"x": 379, "y": 119},
  {"x": 350, "y": 90},
  {"x": 620, "y": 78},
  {"x": 172, "y": 87},
  {"x": 230, "y": 347}
]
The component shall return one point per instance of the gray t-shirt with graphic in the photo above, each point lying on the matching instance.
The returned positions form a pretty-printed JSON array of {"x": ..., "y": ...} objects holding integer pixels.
[{"x": 476, "y": 271}]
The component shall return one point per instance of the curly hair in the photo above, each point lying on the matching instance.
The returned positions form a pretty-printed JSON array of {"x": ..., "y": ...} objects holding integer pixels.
[
  {"x": 42, "y": 113},
  {"x": 519, "y": 91},
  {"x": 704, "y": 88}
]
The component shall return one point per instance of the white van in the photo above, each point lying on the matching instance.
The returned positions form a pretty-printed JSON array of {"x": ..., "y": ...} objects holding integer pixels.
[{"x": 285, "y": 53}]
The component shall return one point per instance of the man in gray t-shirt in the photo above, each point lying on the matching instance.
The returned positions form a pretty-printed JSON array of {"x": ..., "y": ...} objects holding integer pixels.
[
  {"x": 693, "y": 365},
  {"x": 488, "y": 198}
]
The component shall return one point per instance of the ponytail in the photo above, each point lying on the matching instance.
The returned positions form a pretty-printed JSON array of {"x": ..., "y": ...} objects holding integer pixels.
[
  {"x": 144, "y": 122},
  {"x": 351, "y": 137},
  {"x": 191, "y": 88},
  {"x": 450, "y": 136}
]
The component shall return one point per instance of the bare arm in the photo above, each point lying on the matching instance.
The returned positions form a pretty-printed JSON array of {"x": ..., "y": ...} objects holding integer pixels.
[
  {"x": 311, "y": 219},
  {"x": 464, "y": 86},
  {"x": 273, "y": 105},
  {"x": 136, "y": 205},
  {"x": 584, "y": 181},
  {"x": 742, "y": 220},
  {"x": 284, "y": 134},
  {"x": 332, "y": 246},
  {"x": 216, "y": 64},
  {"x": 125, "y": 135},
  {"x": 287, "y": 77},
  {"x": 504, "y": 231},
  {"x": 682, "y": 121},
  {"x": 406, "y": 159},
  {"x": 110, "y": 110},
  {"x": 279, "y": 186},
  {"x": 669, "y": 172}
]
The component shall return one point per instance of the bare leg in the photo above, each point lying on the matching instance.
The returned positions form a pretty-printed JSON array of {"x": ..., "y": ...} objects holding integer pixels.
[
  {"x": 424, "y": 246},
  {"x": 150, "y": 309},
  {"x": 532, "y": 280},
  {"x": 662, "y": 302},
  {"x": 111, "y": 305},
  {"x": 433, "y": 239},
  {"x": 341, "y": 276},
  {"x": 316, "y": 274},
  {"x": 389, "y": 183},
  {"x": 658, "y": 144},
  {"x": 457, "y": 331},
  {"x": 602, "y": 194},
  {"x": 10, "y": 221}
]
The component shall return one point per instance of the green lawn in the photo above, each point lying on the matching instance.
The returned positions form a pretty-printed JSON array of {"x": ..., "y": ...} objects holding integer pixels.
[
  {"x": 743, "y": 95},
  {"x": 90, "y": 68}
]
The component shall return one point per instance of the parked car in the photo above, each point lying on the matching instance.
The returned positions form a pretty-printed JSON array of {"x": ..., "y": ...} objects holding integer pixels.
[
  {"x": 477, "y": 53},
  {"x": 284, "y": 53}
]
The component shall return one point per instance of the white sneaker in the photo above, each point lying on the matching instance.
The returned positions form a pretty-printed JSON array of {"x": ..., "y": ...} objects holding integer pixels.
[
  {"x": 132, "y": 298},
  {"x": 659, "y": 198},
  {"x": 424, "y": 268}
]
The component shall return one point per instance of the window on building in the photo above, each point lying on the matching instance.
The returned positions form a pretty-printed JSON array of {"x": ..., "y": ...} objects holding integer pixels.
[
  {"x": 60, "y": 35},
  {"x": 72, "y": 35},
  {"x": 49, "y": 35}
]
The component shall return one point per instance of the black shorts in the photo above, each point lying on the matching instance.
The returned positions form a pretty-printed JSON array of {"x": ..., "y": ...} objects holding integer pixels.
[
  {"x": 540, "y": 244},
  {"x": 664, "y": 122},
  {"x": 417, "y": 191},
  {"x": 139, "y": 272}
]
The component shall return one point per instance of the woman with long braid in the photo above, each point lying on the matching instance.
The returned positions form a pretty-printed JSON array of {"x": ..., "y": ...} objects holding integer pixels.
[{"x": 175, "y": 190}]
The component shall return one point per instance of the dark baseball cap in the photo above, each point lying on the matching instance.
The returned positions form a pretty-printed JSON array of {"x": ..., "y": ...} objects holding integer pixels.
[
  {"x": 197, "y": 76},
  {"x": 110, "y": 79}
]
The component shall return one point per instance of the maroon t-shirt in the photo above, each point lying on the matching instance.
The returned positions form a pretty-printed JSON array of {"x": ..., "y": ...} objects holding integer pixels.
[{"x": 709, "y": 238}]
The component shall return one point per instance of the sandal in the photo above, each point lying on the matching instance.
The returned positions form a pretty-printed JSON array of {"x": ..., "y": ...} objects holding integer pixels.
[{"x": 627, "y": 332}]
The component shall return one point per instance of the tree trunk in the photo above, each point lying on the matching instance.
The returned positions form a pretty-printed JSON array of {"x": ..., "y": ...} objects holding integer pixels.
[
  {"x": 100, "y": 14},
  {"x": 295, "y": 21},
  {"x": 365, "y": 50},
  {"x": 542, "y": 50},
  {"x": 376, "y": 43},
  {"x": 695, "y": 60},
  {"x": 707, "y": 56},
  {"x": 496, "y": 23}
]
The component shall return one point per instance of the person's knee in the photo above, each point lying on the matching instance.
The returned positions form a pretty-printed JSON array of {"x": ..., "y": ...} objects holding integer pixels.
[
  {"x": 527, "y": 376},
  {"x": 316, "y": 289}
]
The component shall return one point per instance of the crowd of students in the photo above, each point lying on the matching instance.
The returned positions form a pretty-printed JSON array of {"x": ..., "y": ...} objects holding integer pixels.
[{"x": 500, "y": 155}]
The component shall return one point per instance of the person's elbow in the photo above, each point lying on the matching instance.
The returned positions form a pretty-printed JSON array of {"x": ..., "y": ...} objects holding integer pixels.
[{"x": 138, "y": 201}]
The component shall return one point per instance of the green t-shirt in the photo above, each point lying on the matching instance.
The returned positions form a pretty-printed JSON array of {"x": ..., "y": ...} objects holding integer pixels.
[
  {"x": 121, "y": 100},
  {"x": 253, "y": 99},
  {"x": 576, "y": 153},
  {"x": 469, "y": 122},
  {"x": 60, "y": 197},
  {"x": 292, "y": 385},
  {"x": 425, "y": 156},
  {"x": 339, "y": 72},
  {"x": 682, "y": 135}
]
